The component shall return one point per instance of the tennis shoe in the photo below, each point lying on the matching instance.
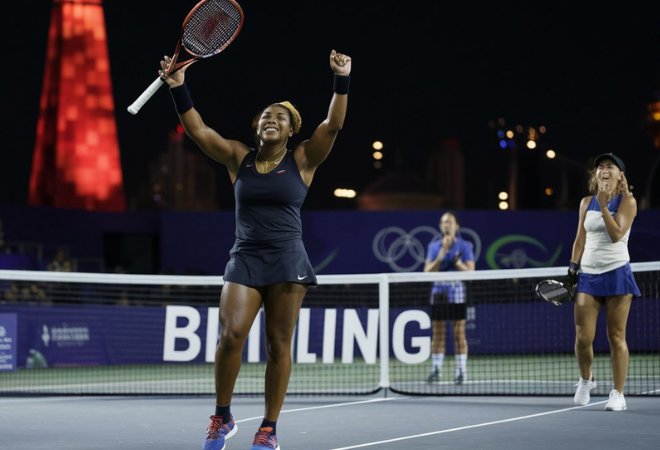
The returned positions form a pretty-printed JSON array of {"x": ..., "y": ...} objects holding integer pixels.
[
  {"x": 435, "y": 376},
  {"x": 582, "y": 394},
  {"x": 460, "y": 378},
  {"x": 616, "y": 402},
  {"x": 217, "y": 433},
  {"x": 265, "y": 439}
]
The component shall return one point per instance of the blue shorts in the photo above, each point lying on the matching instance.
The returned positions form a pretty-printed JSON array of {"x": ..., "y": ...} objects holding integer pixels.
[
  {"x": 619, "y": 281},
  {"x": 267, "y": 263}
]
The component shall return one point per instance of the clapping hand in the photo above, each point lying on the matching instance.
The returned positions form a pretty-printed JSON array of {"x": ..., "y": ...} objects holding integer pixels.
[{"x": 457, "y": 259}]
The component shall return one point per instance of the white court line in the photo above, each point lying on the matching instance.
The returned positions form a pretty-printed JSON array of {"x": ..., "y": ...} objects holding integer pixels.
[
  {"x": 376, "y": 400},
  {"x": 432, "y": 433},
  {"x": 4, "y": 400},
  {"x": 479, "y": 425}
]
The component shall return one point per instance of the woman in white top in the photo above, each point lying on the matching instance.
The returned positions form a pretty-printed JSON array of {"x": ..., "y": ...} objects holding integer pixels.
[{"x": 600, "y": 266}]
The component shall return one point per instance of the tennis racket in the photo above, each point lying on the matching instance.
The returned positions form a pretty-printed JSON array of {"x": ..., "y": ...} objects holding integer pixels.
[
  {"x": 554, "y": 292},
  {"x": 207, "y": 30}
]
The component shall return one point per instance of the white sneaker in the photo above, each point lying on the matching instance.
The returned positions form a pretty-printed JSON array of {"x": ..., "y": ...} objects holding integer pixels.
[
  {"x": 582, "y": 395},
  {"x": 616, "y": 402},
  {"x": 436, "y": 375}
]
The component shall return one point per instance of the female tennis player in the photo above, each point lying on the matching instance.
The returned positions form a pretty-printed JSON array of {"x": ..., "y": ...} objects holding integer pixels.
[
  {"x": 268, "y": 264},
  {"x": 600, "y": 264}
]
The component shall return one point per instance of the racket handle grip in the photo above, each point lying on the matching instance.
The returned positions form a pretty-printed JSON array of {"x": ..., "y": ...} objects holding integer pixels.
[{"x": 146, "y": 95}]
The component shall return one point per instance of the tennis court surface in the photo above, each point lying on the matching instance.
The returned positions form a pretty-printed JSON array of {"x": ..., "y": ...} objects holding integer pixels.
[
  {"x": 88, "y": 372},
  {"x": 332, "y": 423}
]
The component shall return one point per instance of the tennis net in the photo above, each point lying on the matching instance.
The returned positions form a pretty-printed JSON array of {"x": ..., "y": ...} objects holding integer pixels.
[{"x": 110, "y": 334}]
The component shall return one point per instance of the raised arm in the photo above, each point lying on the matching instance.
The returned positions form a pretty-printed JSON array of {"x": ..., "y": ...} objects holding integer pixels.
[
  {"x": 311, "y": 153},
  {"x": 225, "y": 151}
]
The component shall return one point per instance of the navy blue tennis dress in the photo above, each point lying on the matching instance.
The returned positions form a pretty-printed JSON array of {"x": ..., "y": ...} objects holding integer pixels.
[
  {"x": 269, "y": 247},
  {"x": 605, "y": 265}
]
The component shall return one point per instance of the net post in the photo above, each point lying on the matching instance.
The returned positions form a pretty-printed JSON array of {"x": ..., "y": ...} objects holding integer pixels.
[{"x": 384, "y": 313}]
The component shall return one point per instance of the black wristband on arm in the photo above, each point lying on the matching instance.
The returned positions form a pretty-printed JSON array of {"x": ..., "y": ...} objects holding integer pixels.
[
  {"x": 573, "y": 267},
  {"x": 341, "y": 84},
  {"x": 182, "y": 100}
]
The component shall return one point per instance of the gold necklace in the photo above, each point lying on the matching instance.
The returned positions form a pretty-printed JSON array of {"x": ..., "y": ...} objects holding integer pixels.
[{"x": 266, "y": 165}]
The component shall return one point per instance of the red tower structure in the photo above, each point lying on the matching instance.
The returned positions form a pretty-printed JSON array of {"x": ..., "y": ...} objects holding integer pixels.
[{"x": 76, "y": 161}]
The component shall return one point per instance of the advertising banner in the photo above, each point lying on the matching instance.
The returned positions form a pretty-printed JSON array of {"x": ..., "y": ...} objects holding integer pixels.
[
  {"x": 36, "y": 337},
  {"x": 352, "y": 242}
]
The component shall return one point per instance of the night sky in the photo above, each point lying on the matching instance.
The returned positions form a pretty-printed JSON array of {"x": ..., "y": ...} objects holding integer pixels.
[{"x": 422, "y": 72}]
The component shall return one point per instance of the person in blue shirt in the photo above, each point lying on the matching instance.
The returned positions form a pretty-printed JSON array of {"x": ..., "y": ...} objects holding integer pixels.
[
  {"x": 449, "y": 253},
  {"x": 268, "y": 266},
  {"x": 600, "y": 272}
]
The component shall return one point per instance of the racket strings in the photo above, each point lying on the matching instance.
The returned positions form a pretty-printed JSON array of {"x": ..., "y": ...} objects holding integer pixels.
[
  {"x": 211, "y": 27},
  {"x": 554, "y": 292}
]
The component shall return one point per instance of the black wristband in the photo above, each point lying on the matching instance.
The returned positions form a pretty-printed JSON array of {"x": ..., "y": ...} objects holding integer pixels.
[
  {"x": 182, "y": 100},
  {"x": 573, "y": 267},
  {"x": 341, "y": 84}
]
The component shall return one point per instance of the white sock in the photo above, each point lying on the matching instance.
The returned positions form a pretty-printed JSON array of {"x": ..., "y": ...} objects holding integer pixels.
[
  {"x": 461, "y": 364},
  {"x": 437, "y": 359}
]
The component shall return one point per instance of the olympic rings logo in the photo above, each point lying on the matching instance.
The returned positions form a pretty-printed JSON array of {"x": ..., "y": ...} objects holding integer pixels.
[{"x": 405, "y": 252}]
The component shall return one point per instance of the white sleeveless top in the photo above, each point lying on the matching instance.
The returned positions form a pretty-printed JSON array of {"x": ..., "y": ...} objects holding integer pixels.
[{"x": 600, "y": 253}]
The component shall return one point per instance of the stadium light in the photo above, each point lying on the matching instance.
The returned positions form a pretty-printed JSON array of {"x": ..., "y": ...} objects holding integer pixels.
[{"x": 345, "y": 193}]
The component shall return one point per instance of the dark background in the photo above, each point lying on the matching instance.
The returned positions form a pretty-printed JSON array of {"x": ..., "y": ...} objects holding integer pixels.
[{"x": 422, "y": 72}]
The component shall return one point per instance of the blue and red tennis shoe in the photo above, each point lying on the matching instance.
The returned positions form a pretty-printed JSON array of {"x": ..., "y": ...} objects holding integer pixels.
[
  {"x": 217, "y": 433},
  {"x": 265, "y": 439}
]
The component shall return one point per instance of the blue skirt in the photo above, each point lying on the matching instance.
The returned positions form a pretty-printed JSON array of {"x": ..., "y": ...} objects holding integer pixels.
[
  {"x": 267, "y": 263},
  {"x": 619, "y": 281}
]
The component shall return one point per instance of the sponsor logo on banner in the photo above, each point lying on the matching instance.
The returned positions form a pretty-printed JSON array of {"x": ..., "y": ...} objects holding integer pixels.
[
  {"x": 516, "y": 251},
  {"x": 327, "y": 334},
  {"x": 405, "y": 251},
  {"x": 8, "y": 342},
  {"x": 64, "y": 336}
]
